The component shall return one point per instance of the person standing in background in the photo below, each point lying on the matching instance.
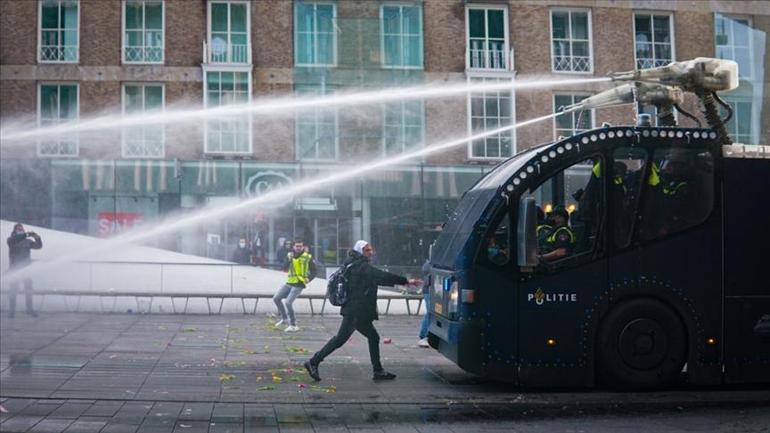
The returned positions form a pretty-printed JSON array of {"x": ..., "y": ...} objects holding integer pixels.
[{"x": 19, "y": 245}]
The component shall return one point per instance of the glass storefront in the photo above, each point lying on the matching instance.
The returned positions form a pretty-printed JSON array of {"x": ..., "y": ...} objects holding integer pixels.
[{"x": 400, "y": 210}]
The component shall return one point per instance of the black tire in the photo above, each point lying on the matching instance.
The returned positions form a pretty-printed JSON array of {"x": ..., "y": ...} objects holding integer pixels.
[{"x": 641, "y": 343}]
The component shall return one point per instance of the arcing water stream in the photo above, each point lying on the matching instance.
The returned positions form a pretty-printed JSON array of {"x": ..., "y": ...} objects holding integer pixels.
[
  {"x": 188, "y": 220},
  {"x": 273, "y": 106}
]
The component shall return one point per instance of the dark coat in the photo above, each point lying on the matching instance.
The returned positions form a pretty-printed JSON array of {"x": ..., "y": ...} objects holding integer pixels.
[
  {"x": 19, "y": 246},
  {"x": 363, "y": 279}
]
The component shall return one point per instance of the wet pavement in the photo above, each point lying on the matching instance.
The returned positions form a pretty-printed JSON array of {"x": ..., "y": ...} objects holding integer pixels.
[{"x": 195, "y": 373}]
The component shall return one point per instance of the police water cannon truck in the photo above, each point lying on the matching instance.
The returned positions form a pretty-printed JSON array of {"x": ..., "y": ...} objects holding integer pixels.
[{"x": 629, "y": 256}]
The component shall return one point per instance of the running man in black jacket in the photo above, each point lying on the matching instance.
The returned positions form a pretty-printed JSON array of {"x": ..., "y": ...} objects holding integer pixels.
[
  {"x": 360, "y": 310},
  {"x": 19, "y": 244}
]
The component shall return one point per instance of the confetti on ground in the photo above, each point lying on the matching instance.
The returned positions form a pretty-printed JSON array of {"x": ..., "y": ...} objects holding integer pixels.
[
  {"x": 277, "y": 379},
  {"x": 331, "y": 389},
  {"x": 265, "y": 388},
  {"x": 189, "y": 329},
  {"x": 231, "y": 364},
  {"x": 226, "y": 378},
  {"x": 292, "y": 349},
  {"x": 386, "y": 340}
]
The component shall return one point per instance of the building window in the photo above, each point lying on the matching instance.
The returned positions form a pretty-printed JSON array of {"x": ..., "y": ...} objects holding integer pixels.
[
  {"x": 228, "y": 33},
  {"x": 401, "y": 36},
  {"x": 143, "y": 31},
  {"x": 487, "y": 38},
  {"x": 739, "y": 127},
  {"x": 490, "y": 111},
  {"x": 146, "y": 141},
  {"x": 314, "y": 35},
  {"x": 572, "y": 123},
  {"x": 316, "y": 128},
  {"x": 230, "y": 133},
  {"x": 653, "y": 36},
  {"x": 58, "y": 31},
  {"x": 732, "y": 37},
  {"x": 571, "y": 49},
  {"x": 403, "y": 127},
  {"x": 58, "y": 104}
]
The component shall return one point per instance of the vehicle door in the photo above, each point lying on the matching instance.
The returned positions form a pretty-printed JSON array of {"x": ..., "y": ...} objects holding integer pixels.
[{"x": 556, "y": 298}]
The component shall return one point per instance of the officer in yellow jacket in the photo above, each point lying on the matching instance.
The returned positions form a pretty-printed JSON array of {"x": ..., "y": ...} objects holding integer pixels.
[
  {"x": 561, "y": 241},
  {"x": 299, "y": 262}
]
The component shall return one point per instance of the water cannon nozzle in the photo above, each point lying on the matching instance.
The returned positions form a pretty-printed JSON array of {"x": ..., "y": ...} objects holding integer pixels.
[
  {"x": 699, "y": 74},
  {"x": 623, "y": 94}
]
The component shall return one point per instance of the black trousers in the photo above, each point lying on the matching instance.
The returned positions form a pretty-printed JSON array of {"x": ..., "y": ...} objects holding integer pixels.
[{"x": 349, "y": 324}]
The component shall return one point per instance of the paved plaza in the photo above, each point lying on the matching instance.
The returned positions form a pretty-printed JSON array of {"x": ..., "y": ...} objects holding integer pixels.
[{"x": 234, "y": 373}]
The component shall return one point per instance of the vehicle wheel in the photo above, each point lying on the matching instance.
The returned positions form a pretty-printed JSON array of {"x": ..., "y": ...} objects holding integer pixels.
[{"x": 641, "y": 344}]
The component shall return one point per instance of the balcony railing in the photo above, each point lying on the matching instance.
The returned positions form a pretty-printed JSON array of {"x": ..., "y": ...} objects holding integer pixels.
[
  {"x": 489, "y": 56},
  {"x": 225, "y": 53},
  {"x": 144, "y": 54},
  {"x": 572, "y": 64},
  {"x": 58, "y": 53},
  {"x": 643, "y": 63}
]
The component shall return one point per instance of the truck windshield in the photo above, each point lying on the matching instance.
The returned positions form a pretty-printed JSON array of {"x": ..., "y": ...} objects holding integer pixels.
[
  {"x": 463, "y": 219},
  {"x": 497, "y": 177}
]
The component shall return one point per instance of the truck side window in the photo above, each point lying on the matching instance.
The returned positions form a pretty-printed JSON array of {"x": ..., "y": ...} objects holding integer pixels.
[
  {"x": 680, "y": 191},
  {"x": 627, "y": 172},
  {"x": 497, "y": 243},
  {"x": 570, "y": 207}
]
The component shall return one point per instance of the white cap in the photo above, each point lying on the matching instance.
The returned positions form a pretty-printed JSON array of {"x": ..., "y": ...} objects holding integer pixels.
[{"x": 359, "y": 246}]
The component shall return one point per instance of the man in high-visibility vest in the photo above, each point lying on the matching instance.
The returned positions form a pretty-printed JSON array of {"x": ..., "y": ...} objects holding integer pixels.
[{"x": 299, "y": 261}]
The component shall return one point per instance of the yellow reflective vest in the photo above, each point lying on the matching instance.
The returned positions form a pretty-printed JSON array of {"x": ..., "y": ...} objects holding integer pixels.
[{"x": 299, "y": 268}]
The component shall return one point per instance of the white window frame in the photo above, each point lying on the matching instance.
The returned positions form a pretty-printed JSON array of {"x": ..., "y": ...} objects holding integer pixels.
[
  {"x": 335, "y": 59},
  {"x": 506, "y": 33},
  {"x": 574, "y": 115},
  {"x": 569, "y": 39},
  {"x": 514, "y": 147},
  {"x": 652, "y": 14},
  {"x": 401, "y": 7},
  {"x": 123, "y": 29},
  {"x": 229, "y": 61},
  {"x": 315, "y": 111},
  {"x": 142, "y": 85},
  {"x": 206, "y": 70},
  {"x": 76, "y": 137},
  {"x": 750, "y": 24},
  {"x": 732, "y": 125},
  {"x": 402, "y": 126},
  {"x": 40, "y": 33}
]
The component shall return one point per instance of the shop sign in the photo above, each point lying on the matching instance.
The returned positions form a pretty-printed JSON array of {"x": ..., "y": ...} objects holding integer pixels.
[
  {"x": 266, "y": 181},
  {"x": 111, "y": 223}
]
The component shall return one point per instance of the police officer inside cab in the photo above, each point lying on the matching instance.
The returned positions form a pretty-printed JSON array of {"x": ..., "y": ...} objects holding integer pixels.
[{"x": 561, "y": 241}]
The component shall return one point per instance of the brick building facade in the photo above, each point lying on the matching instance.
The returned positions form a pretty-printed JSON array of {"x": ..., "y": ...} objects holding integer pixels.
[{"x": 66, "y": 59}]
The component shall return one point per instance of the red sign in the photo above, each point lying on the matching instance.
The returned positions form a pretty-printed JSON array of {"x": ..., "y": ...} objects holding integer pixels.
[{"x": 111, "y": 223}]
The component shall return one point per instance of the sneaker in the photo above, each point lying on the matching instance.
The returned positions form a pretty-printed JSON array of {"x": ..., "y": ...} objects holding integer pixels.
[
  {"x": 291, "y": 328},
  {"x": 312, "y": 370},
  {"x": 279, "y": 323},
  {"x": 383, "y": 375},
  {"x": 423, "y": 343}
]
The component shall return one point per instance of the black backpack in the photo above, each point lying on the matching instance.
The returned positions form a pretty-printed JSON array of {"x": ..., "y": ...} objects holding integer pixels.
[{"x": 337, "y": 291}]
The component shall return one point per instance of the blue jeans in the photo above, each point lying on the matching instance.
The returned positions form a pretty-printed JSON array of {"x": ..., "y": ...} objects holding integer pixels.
[
  {"x": 286, "y": 310},
  {"x": 425, "y": 321}
]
